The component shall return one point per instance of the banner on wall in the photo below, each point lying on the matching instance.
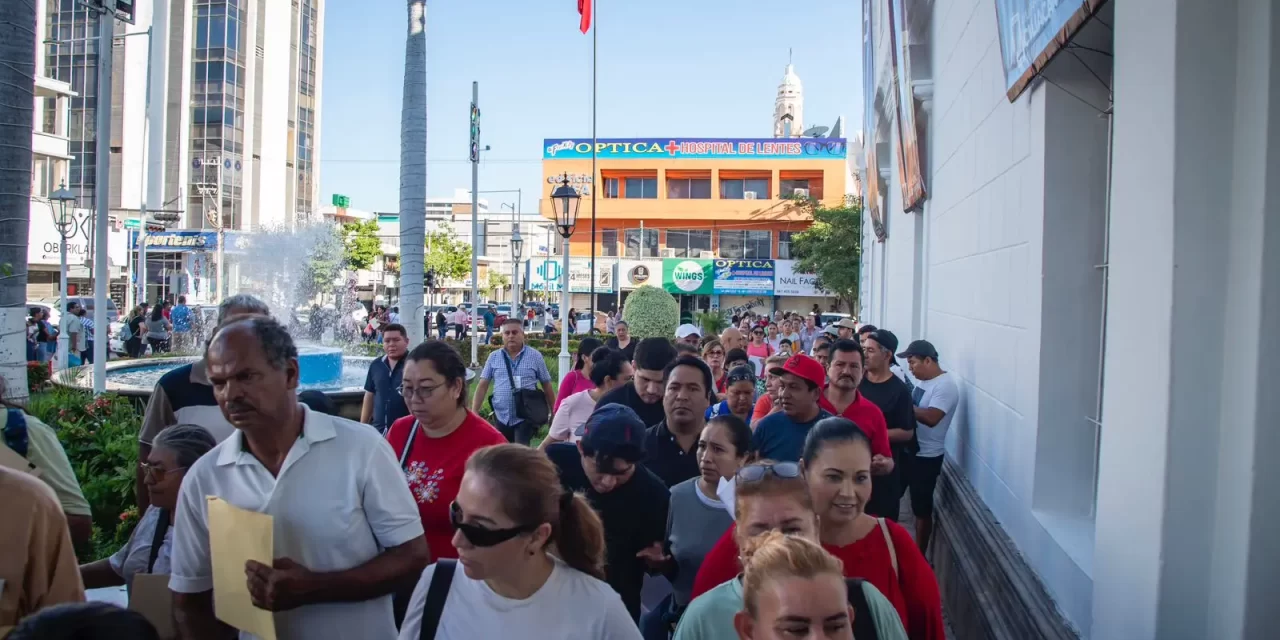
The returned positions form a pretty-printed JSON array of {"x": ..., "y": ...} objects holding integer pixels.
[
  {"x": 743, "y": 277},
  {"x": 633, "y": 274},
  {"x": 1033, "y": 31},
  {"x": 697, "y": 148},
  {"x": 789, "y": 282},
  {"x": 909, "y": 168},
  {"x": 580, "y": 276},
  {"x": 870, "y": 124},
  {"x": 687, "y": 276},
  {"x": 543, "y": 274}
]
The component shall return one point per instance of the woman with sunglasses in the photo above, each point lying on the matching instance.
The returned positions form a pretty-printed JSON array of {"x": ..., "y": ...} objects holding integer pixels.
[
  {"x": 739, "y": 395},
  {"x": 580, "y": 378},
  {"x": 434, "y": 441},
  {"x": 696, "y": 519},
  {"x": 759, "y": 346},
  {"x": 713, "y": 355},
  {"x": 530, "y": 560},
  {"x": 768, "y": 496},
  {"x": 173, "y": 451}
]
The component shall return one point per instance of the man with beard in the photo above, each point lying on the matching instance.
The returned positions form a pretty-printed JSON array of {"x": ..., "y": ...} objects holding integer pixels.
[
  {"x": 780, "y": 436},
  {"x": 842, "y": 399},
  {"x": 347, "y": 529},
  {"x": 644, "y": 394},
  {"x": 672, "y": 444},
  {"x": 893, "y": 396}
]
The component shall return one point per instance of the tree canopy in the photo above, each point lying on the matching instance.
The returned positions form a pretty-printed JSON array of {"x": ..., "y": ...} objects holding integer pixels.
[
  {"x": 448, "y": 256},
  {"x": 361, "y": 245},
  {"x": 831, "y": 249}
]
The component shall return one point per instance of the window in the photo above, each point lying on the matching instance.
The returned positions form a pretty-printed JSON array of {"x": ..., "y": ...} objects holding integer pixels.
[
  {"x": 611, "y": 187},
  {"x": 636, "y": 248},
  {"x": 745, "y": 245},
  {"x": 809, "y": 182},
  {"x": 788, "y": 187},
  {"x": 784, "y": 245},
  {"x": 689, "y": 188},
  {"x": 738, "y": 188},
  {"x": 645, "y": 188},
  {"x": 609, "y": 243},
  {"x": 688, "y": 243}
]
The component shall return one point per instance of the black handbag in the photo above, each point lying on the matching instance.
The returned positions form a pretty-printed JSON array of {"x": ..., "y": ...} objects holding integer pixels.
[{"x": 530, "y": 404}]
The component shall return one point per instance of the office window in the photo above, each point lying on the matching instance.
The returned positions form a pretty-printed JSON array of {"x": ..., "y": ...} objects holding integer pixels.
[
  {"x": 641, "y": 248},
  {"x": 737, "y": 189},
  {"x": 745, "y": 245},
  {"x": 643, "y": 188},
  {"x": 787, "y": 187},
  {"x": 784, "y": 245},
  {"x": 609, "y": 243},
  {"x": 689, "y": 188},
  {"x": 611, "y": 187},
  {"x": 689, "y": 243},
  {"x": 807, "y": 181}
]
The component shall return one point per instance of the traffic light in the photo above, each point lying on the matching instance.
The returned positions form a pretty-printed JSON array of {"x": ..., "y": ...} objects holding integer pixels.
[
  {"x": 165, "y": 216},
  {"x": 431, "y": 279}
]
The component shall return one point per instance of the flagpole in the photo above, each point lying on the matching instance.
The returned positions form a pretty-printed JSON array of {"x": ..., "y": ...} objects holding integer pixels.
[{"x": 595, "y": 22}]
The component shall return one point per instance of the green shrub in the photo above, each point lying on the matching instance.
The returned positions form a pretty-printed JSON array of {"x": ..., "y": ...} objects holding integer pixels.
[
  {"x": 38, "y": 375},
  {"x": 651, "y": 313}
]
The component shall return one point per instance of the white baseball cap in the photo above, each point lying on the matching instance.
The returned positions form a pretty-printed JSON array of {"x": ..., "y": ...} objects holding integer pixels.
[{"x": 686, "y": 330}]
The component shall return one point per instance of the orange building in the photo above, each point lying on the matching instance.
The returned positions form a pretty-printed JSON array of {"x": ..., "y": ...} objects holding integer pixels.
[{"x": 664, "y": 201}]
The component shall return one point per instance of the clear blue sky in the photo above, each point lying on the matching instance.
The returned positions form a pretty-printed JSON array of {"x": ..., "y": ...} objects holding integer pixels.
[{"x": 693, "y": 68}]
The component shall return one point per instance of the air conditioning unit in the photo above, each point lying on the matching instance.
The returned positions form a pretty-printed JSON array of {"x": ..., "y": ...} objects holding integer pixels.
[
  {"x": 800, "y": 193},
  {"x": 749, "y": 195},
  {"x": 668, "y": 253},
  {"x": 706, "y": 254}
]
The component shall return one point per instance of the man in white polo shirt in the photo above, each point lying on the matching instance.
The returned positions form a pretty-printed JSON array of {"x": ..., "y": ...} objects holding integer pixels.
[{"x": 347, "y": 530}]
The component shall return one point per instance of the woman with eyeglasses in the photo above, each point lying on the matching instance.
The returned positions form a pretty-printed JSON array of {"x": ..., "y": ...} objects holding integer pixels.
[
  {"x": 530, "y": 560},
  {"x": 696, "y": 518},
  {"x": 713, "y": 355},
  {"x": 769, "y": 496},
  {"x": 759, "y": 346},
  {"x": 173, "y": 451},
  {"x": 739, "y": 395},
  {"x": 435, "y": 440}
]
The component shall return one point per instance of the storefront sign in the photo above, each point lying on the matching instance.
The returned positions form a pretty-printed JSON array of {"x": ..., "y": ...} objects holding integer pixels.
[
  {"x": 580, "y": 276},
  {"x": 744, "y": 277},
  {"x": 182, "y": 241},
  {"x": 636, "y": 273},
  {"x": 44, "y": 243},
  {"x": 697, "y": 148},
  {"x": 787, "y": 282},
  {"x": 543, "y": 275},
  {"x": 682, "y": 276}
]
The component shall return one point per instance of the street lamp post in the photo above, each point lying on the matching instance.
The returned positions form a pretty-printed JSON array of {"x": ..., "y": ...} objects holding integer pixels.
[
  {"x": 66, "y": 225},
  {"x": 564, "y": 201},
  {"x": 517, "y": 248}
]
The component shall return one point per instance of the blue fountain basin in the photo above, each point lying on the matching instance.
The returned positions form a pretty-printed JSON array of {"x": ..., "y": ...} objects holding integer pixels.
[{"x": 321, "y": 367}]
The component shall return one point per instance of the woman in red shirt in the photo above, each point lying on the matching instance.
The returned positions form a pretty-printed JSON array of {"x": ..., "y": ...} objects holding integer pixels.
[
  {"x": 435, "y": 440},
  {"x": 837, "y": 468},
  {"x": 580, "y": 378}
]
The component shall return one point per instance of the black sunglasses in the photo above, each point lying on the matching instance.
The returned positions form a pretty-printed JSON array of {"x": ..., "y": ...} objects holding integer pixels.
[
  {"x": 757, "y": 472},
  {"x": 480, "y": 536}
]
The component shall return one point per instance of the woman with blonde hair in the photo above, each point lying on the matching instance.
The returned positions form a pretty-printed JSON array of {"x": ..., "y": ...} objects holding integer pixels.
[
  {"x": 792, "y": 588},
  {"x": 532, "y": 559}
]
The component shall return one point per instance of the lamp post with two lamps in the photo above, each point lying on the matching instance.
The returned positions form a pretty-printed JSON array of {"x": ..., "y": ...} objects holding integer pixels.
[
  {"x": 565, "y": 201},
  {"x": 65, "y": 222}
]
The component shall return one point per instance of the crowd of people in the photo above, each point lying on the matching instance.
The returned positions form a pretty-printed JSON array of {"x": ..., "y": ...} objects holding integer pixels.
[{"x": 745, "y": 485}]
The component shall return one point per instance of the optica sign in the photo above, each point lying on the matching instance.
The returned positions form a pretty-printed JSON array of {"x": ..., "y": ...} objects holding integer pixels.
[
  {"x": 744, "y": 277},
  {"x": 683, "y": 276},
  {"x": 697, "y": 148}
]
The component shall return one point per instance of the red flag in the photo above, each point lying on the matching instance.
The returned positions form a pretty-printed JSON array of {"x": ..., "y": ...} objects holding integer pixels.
[{"x": 584, "y": 9}]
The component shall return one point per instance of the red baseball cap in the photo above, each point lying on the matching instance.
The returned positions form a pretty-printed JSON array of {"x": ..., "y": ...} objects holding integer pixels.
[{"x": 803, "y": 366}]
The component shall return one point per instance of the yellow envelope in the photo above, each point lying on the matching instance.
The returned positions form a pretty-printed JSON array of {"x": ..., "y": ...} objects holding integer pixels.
[
  {"x": 235, "y": 537},
  {"x": 149, "y": 595},
  {"x": 10, "y": 459}
]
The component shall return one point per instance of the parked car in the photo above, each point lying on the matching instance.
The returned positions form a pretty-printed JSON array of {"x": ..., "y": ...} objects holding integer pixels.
[{"x": 113, "y": 313}]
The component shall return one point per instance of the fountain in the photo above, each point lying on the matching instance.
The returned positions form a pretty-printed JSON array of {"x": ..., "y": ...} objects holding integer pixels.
[{"x": 290, "y": 270}]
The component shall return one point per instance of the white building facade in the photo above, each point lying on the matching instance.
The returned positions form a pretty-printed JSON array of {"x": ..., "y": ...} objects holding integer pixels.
[{"x": 1092, "y": 243}]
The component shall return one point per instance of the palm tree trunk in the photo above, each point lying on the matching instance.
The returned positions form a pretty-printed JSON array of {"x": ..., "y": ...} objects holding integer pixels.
[
  {"x": 413, "y": 171},
  {"x": 17, "y": 109}
]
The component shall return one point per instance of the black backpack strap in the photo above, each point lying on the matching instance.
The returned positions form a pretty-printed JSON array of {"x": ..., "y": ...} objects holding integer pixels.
[
  {"x": 157, "y": 540},
  {"x": 437, "y": 593},
  {"x": 864, "y": 628}
]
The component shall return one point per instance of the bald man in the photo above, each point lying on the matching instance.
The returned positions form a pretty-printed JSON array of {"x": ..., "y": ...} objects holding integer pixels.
[{"x": 732, "y": 338}]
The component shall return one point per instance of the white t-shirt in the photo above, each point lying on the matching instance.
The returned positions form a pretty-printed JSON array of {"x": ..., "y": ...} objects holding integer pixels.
[
  {"x": 340, "y": 500},
  {"x": 938, "y": 393},
  {"x": 571, "y": 605}
]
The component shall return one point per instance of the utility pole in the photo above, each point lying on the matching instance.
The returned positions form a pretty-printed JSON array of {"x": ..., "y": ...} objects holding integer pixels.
[
  {"x": 475, "y": 224},
  {"x": 102, "y": 191}
]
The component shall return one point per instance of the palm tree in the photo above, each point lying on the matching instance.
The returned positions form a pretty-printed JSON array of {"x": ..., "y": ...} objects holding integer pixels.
[
  {"x": 17, "y": 108},
  {"x": 413, "y": 171}
]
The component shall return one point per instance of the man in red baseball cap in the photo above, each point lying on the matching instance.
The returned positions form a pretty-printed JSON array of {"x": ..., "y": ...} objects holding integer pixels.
[{"x": 780, "y": 436}]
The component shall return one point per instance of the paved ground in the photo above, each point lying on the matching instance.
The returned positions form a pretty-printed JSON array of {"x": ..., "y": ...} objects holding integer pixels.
[{"x": 908, "y": 520}]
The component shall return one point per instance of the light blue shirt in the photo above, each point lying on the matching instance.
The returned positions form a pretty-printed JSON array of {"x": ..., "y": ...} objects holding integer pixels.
[{"x": 527, "y": 369}]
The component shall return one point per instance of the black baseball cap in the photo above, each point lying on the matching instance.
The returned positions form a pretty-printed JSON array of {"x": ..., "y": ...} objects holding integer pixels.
[
  {"x": 613, "y": 431},
  {"x": 887, "y": 340},
  {"x": 920, "y": 349}
]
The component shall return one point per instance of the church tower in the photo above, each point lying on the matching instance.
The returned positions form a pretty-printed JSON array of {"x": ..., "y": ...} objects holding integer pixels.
[{"x": 788, "y": 109}]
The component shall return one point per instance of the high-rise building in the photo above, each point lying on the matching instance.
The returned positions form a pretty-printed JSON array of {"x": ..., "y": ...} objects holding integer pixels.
[{"x": 241, "y": 107}]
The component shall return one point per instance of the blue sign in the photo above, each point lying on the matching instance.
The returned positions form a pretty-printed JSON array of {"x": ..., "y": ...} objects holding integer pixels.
[
  {"x": 743, "y": 277},
  {"x": 543, "y": 276},
  {"x": 1030, "y": 29},
  {"x": 187, "y": 241},
  {"x": 697, "y": 148}
]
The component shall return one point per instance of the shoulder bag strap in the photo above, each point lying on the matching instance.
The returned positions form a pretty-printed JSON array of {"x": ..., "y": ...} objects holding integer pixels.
[
  {"x": 864, "y": 628},
  {"x": 157, "y": 539},
  {"x": 888, "y": 540},
  {"x": 408, "y": 445},
  {"x": 15, "y": 431},
  {"x": 437, "y": 593}
]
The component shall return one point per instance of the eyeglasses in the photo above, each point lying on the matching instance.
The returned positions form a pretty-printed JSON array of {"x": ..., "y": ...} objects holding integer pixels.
[
  {"x": 480, "y": 536},
  {"x": 410, "y": 393},
  {"x": 757, "y": 472},
  {"x": 156, "y": 472},
  {"x": 714, "y": 352}
]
